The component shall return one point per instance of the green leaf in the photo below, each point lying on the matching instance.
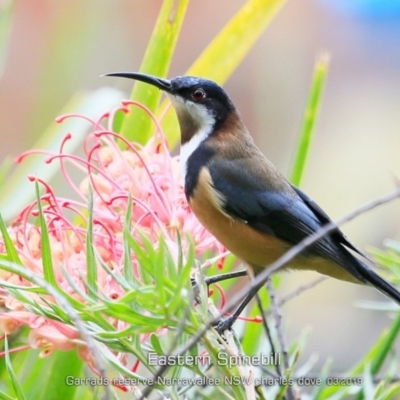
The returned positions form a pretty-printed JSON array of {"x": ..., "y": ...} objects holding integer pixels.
[
  {"x": 317, "y": 391},
  {"x": 144, "y": 259},
  {"x": 116, "y": 275},
  {"x": 115, "y": 363},
  {"x": 56, "y": 374},
  {"x": 91, "y": 264},
  {"x": 178, "y": 302},
  {"x": 136, "y": 125},
  {"x": 64, "y": 366},
  {"x": 222, "y": 56},
  {"x": 310, "y": 115},
  {"x": 77, "y": 290},
  {"x": 128, "y": 267},
  {"x": 392, "y": 393},
  {"x": 124, "y": 313},
  {"x": 368, "y": 388},
  {"x": 47, "y": 260},
  {"x": 31, "y": 289},
  {"x": 4, "y": 396},
  {"x": 155, "y": 342},
  {"x": 27, "y": 274},
  {"x": 12, "y": 254},
  {"x": 180, "y": 252},
  {"x": 14, "y": 380},
  {"x": 385, "y": 258},
  {"x": 159, "y": 273}
]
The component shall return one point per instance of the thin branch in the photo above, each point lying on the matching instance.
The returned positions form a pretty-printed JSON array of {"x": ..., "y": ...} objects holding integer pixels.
[
  {"x": 217, "y": 278},
  {"x": 278, "y": 321},
  {"x": 281, "y": 337},
  {"x": 265, "y": 325},
  {"x": 223, "y": 277},
  {"x": 269, "y": 335},
  {"x": 297, "y": 292}
]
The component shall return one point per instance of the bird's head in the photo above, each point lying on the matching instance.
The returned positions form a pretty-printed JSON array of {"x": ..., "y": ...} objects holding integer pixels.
[{"x": 201, "y": 105}]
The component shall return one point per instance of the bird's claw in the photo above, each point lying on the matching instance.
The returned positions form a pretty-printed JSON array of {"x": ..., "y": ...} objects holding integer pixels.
[{"x": 223, "y": 325}]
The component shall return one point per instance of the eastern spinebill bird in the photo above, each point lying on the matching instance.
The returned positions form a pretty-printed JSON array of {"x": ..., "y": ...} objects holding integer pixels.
[{"x": 242, "y": 199}]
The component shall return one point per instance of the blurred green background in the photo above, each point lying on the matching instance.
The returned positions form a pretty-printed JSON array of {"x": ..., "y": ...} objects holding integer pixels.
[{"x": 57, "y": 48}]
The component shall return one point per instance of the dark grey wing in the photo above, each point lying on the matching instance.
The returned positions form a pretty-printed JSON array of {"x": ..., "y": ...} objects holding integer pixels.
[
  {"x": 284, "y": 213},
  {"x": 324, "y": 219}
]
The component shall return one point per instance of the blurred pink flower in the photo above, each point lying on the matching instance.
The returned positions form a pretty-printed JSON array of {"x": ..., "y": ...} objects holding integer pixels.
[
  {"x": 148, "y": 176},
  {"x": 50, "y": 337}
]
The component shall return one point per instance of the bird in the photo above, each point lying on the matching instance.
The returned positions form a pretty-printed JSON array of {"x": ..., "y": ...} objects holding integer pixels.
[{"x": 243, "y": 200}]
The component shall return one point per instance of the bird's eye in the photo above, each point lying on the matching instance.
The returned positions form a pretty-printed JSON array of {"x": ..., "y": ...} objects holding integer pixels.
[{"x": 198, "y": 94}]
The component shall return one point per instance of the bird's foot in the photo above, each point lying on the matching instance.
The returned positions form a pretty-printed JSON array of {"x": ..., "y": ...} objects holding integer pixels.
[{"x": 224, "y": 325}]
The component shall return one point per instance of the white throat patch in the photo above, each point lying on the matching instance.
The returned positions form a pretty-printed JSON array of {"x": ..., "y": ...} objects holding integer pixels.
[
  {"x": 203, "y": 119},
  {"x": 188, "y": 148}
]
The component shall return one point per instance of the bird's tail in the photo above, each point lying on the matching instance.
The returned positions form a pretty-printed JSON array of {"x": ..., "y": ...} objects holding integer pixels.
[{"x": 379, "y": 283}]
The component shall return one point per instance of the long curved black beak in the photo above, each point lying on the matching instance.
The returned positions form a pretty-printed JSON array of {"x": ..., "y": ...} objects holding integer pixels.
[{"x": 163, "y": 84}]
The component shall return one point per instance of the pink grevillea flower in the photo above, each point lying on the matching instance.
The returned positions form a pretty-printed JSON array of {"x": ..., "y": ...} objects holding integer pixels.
[
  {"x": 116, "y": 172},
  {"x": 51, "y": 336}
]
